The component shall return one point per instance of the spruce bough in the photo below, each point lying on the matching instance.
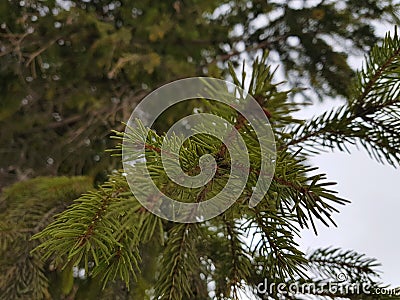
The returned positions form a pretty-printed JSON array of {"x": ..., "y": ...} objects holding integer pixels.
[{"x": 112, "y": 237}]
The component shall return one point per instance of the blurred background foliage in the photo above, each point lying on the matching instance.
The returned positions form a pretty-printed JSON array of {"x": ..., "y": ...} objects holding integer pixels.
[{"x": 70, "y": 71}]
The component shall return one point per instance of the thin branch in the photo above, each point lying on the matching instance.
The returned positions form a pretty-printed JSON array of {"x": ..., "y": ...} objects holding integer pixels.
[
  {"x": 40, "y": 51},
  {"x": 377, "y": 75}
]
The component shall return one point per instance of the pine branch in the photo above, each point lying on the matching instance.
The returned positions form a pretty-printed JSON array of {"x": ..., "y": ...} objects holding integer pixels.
[
  {"x": 302, "y": 192},
  {"x": 87, "y": 232},
  {"x": 237, "y": 258},
  {"x": 332, "y": 262},
  {"x": 104, "y": 230},
  {"x": 371, "y": 118},
  {"x": 178, "y": 263},
  {"x": 275, "y": 246}
]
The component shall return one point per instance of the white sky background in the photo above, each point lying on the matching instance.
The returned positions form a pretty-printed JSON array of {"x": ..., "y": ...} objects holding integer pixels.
[{"x": 369, "y": 224}]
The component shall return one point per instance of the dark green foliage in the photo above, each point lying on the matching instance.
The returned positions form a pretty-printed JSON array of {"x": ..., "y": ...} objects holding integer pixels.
[
  {"x": 71, "y": 73},
  {"x": 98, "y": 224},
  {"x": 70, "y": 76},
  {"x": 26, "y": 209}
]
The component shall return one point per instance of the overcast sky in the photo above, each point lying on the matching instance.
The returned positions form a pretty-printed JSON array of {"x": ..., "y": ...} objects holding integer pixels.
[{"x": 369, "y": 224}]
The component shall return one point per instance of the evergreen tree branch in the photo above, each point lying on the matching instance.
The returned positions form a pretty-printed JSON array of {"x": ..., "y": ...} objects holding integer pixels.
[
  {"x": 370, "y": 118},
  {"x": 86, "y": 232},
  {"x": 177, "y": 263}
]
